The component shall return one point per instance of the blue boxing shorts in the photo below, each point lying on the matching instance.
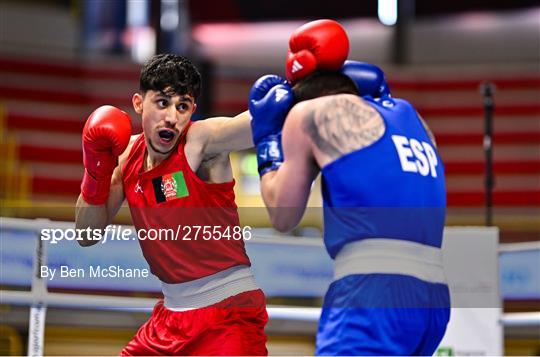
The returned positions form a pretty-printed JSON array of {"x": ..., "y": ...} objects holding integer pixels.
[{"x": 383, "y": 314}]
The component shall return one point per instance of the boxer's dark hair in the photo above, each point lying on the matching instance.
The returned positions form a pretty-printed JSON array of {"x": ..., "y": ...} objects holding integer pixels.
[
  {"x": 321, "y": 83},
  {"x": 171, "y": 74}
]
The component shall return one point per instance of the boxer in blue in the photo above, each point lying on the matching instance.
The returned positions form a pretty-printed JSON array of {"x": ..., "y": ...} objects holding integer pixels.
[{"x": 384, "y": 198}]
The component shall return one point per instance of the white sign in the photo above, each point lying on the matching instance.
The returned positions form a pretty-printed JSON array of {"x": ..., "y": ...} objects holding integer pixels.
[{"x": 471, "y": 267}]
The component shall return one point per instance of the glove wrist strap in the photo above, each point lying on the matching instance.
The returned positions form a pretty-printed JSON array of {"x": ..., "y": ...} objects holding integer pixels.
[
  {"x": 269, "y": 154},
  {"x": 95, "y": 191}
]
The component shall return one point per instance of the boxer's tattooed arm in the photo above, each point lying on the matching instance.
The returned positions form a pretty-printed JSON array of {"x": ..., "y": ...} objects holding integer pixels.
[{"x": 341, "y": 125}]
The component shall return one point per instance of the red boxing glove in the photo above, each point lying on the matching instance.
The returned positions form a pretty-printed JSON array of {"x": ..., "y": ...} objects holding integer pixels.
[
  {"x": 105, "y": 136},
  {"x": 320, "y": 44}
]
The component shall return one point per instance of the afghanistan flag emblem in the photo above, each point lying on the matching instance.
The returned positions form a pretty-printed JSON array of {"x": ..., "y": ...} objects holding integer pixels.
[{"x": 170, "y": 186}]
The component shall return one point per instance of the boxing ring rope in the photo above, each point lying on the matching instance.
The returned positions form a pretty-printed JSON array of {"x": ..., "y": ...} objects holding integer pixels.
[
  {"x": 137, "y": 304},
  {"x": 39, "y": 299}
]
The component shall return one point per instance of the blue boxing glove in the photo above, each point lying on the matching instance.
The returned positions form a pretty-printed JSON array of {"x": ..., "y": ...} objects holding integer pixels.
[
  {"x": 270, "y": 99},
  {"x": 368, "y": 78}
]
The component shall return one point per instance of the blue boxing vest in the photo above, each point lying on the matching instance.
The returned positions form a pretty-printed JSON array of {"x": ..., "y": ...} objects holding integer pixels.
[{"x": 394, "y": 188}]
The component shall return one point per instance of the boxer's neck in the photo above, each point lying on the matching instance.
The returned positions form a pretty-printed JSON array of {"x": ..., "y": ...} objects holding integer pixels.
[{"x": 152, "y": 158}]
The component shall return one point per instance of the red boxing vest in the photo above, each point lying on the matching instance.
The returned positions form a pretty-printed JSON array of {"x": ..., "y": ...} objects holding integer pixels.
[{"x": 191, "y": 227}]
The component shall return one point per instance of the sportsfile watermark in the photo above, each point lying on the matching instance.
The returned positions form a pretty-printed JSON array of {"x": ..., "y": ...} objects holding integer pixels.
[{"x": 121, "y": 233}]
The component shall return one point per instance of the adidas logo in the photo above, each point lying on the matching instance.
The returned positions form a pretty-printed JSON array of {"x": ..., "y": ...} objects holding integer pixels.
[
  {"x": 280, "y": 93},
  {"x": 296, "y": 66}
]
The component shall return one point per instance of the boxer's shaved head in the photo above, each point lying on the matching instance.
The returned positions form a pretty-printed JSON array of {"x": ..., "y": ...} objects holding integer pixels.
[
  {"x": 321, "y": 83},
  {"x": 171, "y": 74}
]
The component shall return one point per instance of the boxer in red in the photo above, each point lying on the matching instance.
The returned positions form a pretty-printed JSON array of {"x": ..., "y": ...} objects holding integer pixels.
[{"x": 177, "y": 173}]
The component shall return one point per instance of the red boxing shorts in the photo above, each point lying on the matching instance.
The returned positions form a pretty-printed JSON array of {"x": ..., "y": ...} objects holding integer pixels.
[{"x": 232, "y": 327}]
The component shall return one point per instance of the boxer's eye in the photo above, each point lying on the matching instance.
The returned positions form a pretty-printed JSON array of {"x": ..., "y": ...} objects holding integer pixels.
[{"x": 182, "y": 107}]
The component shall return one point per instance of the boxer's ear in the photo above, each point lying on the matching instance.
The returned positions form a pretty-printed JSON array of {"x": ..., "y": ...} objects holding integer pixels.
[{"x": 137, "y": 101}]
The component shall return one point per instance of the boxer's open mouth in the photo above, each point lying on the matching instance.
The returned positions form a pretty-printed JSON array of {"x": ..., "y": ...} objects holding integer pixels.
[{"x": 166, "y": 135}]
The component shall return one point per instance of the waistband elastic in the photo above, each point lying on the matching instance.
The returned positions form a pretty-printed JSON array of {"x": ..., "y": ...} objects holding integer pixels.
[
  {"x": 390, "y": 256},
  {"x": 208, "y": 290}
]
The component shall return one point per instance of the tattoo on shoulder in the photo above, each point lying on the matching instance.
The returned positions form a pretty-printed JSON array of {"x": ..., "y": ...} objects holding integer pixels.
[{"x": 341, "y": 125}]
